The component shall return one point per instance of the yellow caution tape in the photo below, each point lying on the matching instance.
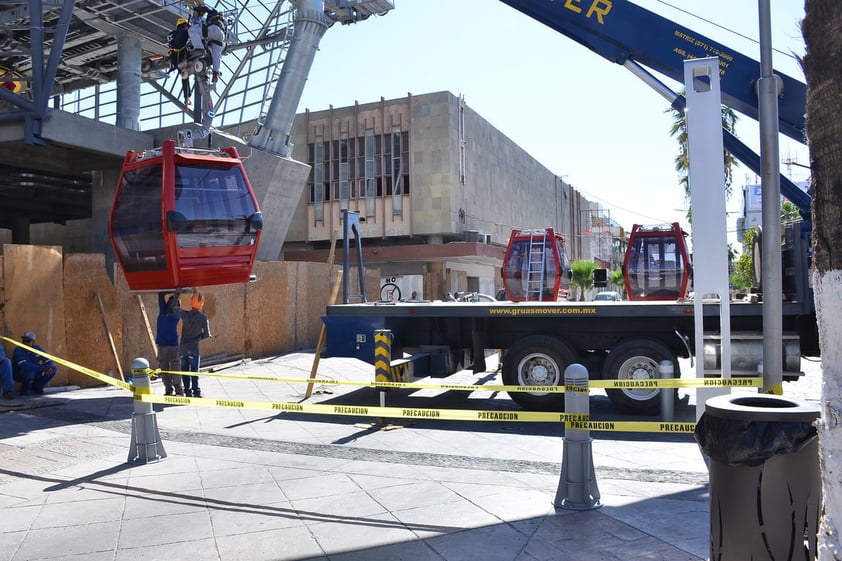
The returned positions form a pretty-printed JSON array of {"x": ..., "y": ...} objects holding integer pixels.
[
  {"x": 577, "y": 421},
  {"x": 632, "y": 426},
  {"x": 572, "y": 420},
  {"x": 742, "y": 382}
]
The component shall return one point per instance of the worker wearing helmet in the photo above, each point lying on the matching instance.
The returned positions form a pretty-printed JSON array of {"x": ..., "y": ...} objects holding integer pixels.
[
  {"x": 178, "y": 40},
  {"x": 194, "y": 328},
  {"x": 207, "y": 32},
  {"x": 215, "y": 39},
  {"x": 33, "y": 369}
]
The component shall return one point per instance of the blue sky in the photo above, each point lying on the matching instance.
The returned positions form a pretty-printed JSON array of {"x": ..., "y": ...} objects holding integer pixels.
[{"x": 582, "y": 117}]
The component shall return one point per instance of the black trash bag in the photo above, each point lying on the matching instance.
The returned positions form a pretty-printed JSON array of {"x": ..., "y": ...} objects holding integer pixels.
[{"x": 750, "y": 443}]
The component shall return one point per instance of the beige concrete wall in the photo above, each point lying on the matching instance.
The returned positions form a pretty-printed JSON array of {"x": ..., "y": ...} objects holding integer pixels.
[
  {"x": 504, "y": 187},
  {"x": 57, "y": 297}
]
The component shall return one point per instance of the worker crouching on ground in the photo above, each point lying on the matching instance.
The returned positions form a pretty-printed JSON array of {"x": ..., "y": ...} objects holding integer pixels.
[
  {"x": 7, "y": 383},
  {"x": 194, "y": 328},
  {"x": 32, "y": 370},
  {"x": 166, "y": 338}
]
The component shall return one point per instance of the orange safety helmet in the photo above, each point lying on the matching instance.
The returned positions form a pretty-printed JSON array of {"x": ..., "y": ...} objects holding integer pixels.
[{"x": 197, "y": 301}]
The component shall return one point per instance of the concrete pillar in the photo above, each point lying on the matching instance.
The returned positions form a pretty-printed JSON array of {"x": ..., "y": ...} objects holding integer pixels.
[
  {"x": 129, "y": 55},
  {"x": 104, "y": 184},
  {"x": 310, "y": 26}
]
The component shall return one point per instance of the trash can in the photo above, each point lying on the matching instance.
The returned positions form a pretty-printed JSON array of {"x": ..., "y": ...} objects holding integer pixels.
[{"x": 765, "y": 480}]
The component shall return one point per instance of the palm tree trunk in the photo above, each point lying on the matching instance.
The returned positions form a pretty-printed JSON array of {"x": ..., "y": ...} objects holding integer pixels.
[{"x": 822, "y": 29}]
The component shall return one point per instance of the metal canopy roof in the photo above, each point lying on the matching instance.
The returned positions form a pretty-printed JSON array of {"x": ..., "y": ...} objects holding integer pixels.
[
  {"x": 89, "y": 53},
  {"x": 52, "y": 48}
]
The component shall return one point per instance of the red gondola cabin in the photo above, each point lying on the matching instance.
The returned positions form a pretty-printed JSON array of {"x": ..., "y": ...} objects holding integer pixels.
[
  {"x": 656, "y": 266},
  {"x": 536, "y": 267},
  {"x": 184, "y": 218}
]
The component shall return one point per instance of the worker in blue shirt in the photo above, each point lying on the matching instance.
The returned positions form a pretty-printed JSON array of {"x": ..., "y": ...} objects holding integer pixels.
[
  {"x": 34, "y": 371},
  {"x": 166, "y": 338},
  {"x": 7, "y": 383}
]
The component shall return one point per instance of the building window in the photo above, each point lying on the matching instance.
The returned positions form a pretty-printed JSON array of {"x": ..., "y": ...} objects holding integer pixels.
[
  {"x": 368, "y": 167},
  {"x": 370, "y": 193},
  {"x": 397, "y": 191},
  {"x": 318, "y": 187},
  {"x": 344, "y": 170}
]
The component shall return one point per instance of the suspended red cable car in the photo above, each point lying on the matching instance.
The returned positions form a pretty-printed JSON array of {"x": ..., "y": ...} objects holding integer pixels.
[
  {"x": 656, "y": 266},
  {"x": 536, "y": 267},
  {"x": 184, "y": 218}
]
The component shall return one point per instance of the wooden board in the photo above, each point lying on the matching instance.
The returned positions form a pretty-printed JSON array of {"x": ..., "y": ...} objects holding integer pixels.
[
  {"x": 56, "y": 298},
  {"x": 34, "y": 297},
  {"x": 88, "y": 345}
]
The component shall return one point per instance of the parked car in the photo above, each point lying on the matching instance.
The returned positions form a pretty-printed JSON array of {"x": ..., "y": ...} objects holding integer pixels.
[{"x": 608, "y": 296}]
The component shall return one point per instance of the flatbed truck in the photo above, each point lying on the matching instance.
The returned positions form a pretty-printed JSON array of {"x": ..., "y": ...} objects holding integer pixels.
[{"x": 615, "y": 340}]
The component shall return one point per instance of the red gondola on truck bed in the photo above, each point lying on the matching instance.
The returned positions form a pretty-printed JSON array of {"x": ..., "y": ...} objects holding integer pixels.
[
  {"x": 656, "y": 266},
  {"x": 536, "y": 267}
]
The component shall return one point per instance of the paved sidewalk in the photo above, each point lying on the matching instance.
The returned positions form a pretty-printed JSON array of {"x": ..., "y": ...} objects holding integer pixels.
[{"x": 254, "y": 485}]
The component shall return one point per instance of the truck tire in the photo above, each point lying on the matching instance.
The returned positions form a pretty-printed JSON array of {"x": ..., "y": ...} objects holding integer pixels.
[
  {"x": 538, "y": 360},
  {"x": 637, "y": 359}
]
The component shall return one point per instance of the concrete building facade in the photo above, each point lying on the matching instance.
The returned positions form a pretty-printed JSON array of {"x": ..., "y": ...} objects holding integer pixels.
[{"x": 439, "y": 188}]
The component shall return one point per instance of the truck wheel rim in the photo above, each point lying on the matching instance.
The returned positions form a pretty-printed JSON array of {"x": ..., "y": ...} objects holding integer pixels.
[
  {"x": 537, "y": 369},
  {"x": 639, "y": 368}
]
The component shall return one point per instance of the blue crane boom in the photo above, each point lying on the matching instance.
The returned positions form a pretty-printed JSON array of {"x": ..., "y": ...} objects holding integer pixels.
[{"x": 629, "y": 35}]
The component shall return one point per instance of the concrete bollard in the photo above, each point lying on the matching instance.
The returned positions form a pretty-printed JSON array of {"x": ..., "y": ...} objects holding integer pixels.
[
  {"x": 666, "y": 370},
  {"x": 577, "y": 488},
  {"x": 146, "y": 442}
]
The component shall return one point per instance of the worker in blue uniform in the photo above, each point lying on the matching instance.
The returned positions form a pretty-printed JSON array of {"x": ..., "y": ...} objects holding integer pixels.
[
  {"x": 166, "y": 339},
  {"x": 33, "y": 370},
  {"x": 7, "y": 383}
]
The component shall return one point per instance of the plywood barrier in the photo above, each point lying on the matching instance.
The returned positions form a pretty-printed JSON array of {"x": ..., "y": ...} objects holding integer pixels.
[
  {"x": 87, "y": 340},
  {"x": 34, "y": 297},
  {"x": 55, "y": 297}
]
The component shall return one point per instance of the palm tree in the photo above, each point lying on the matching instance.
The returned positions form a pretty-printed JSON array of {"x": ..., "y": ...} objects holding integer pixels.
[
  {"x": 822, "y": 30},
  {"x": 682, "y": 160},
  {"x": 582, "y": 276},
  {"x": 617, "y": 280}
]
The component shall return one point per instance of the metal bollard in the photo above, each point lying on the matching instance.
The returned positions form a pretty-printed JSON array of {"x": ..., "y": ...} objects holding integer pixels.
[
  {"x": 382, "y": 362},
  {"x": 383, "y": 355},
  {"x": 577, "y": 488},
  {"x": 665, "y": 369},
  {"x": 146, "y": 442}
]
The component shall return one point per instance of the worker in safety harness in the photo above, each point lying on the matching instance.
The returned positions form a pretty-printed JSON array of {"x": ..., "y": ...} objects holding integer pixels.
[
  {"x": 210, "y": 32},
  {"x": 178, "y": 55},
  {"x": 215, "y": 40}
]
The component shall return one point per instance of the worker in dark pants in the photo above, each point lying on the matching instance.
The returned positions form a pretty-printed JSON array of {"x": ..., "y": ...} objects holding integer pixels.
[
  {"x": 194, "y": 328},
  {"x": 178, "y": 40},
  {"x": 32, "y": 370},
  {"x": 7, "y": 383},
  {"x": 166, "y": 338}
]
